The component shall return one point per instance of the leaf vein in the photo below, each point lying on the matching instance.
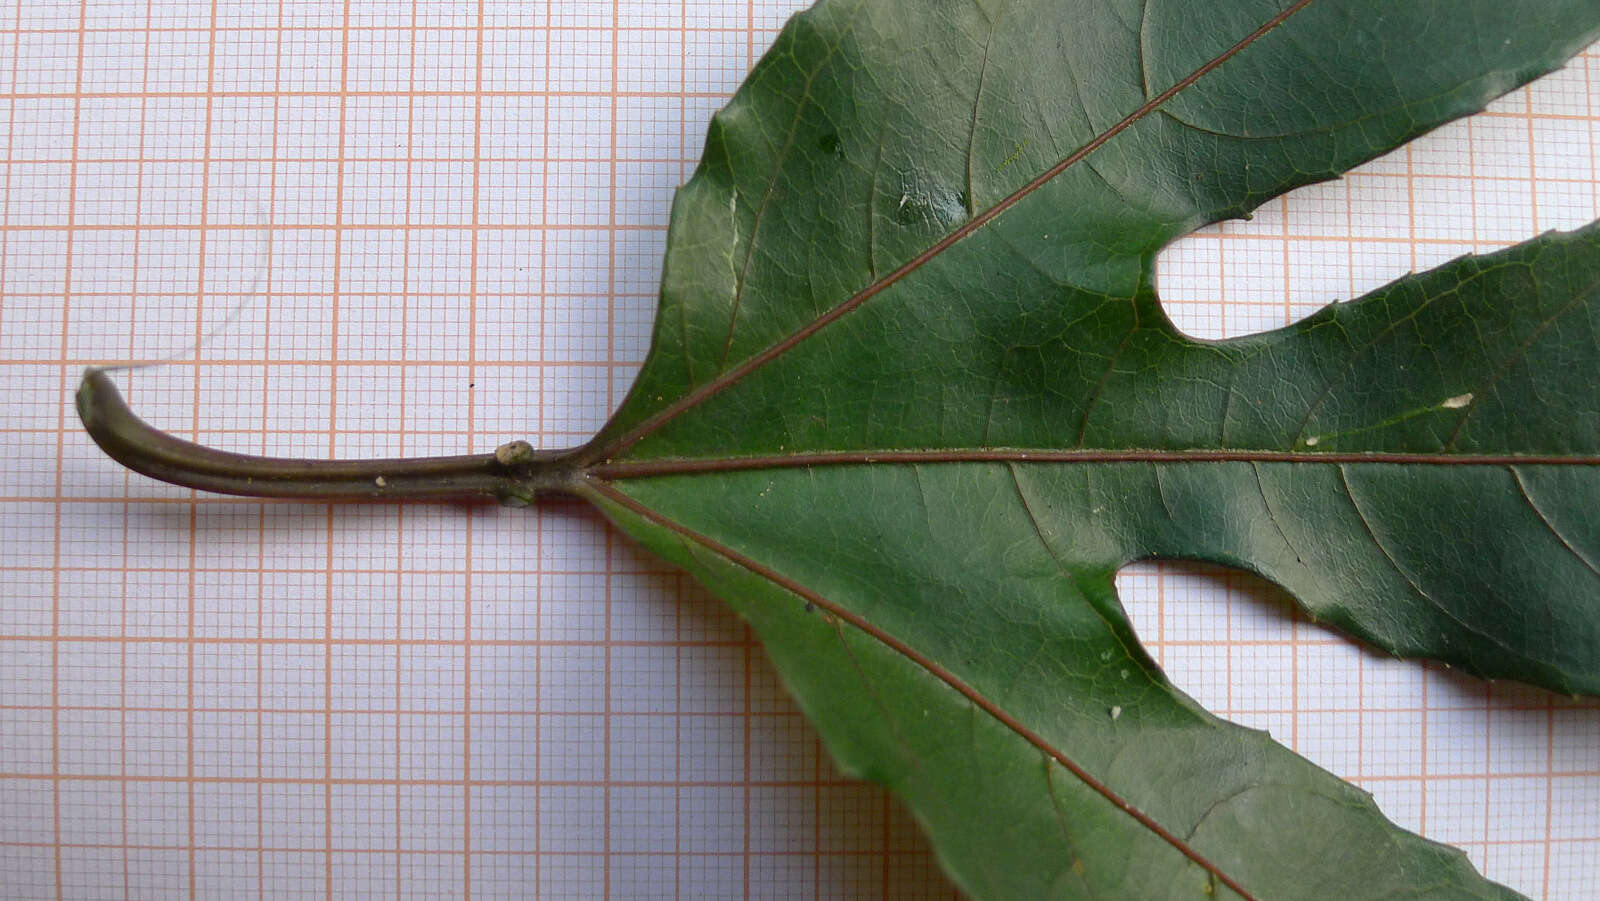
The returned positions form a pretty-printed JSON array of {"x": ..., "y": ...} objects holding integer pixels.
[
  {"x": 1539, "y": 512},
  {"x": 766, "y": 199},
  {"x": 1517, "y": 356},
  {"x": 972, "y": 136},
  {"x": 1394, "y": 564},
  {"x": 737, "y": 373},
  {"x": 889, "y": 640},
  {"x": 891, "y": 457}
]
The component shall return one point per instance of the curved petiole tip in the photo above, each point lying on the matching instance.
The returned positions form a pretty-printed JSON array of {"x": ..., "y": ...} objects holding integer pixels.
[{"x": 514, "y": 474}]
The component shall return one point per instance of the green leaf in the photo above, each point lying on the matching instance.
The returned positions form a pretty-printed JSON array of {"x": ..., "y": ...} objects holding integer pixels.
[{"x": 912, "y": 402}]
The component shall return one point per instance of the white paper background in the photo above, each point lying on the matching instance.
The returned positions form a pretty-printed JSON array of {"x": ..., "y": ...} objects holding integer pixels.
[{"x": 427, "y": 227}]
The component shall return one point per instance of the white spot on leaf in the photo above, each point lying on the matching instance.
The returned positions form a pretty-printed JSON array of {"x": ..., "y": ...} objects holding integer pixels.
[{"x": 1457, "y": 402}]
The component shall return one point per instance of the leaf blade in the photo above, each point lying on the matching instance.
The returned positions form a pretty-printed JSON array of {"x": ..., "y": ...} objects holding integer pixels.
[
  {"x": 1172, "y": 796},
  {"x": 689, "y": 285},
  {"x": 912, "y": 408}
]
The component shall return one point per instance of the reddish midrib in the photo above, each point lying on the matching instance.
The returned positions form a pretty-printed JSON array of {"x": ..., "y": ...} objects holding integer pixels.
[
  {"x": 931, "y": 666},
  {"x": 684, "y": 466},
  {"x": 730, "y": 377}
]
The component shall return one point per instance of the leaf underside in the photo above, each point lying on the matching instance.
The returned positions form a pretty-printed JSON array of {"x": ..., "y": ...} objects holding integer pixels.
[{"x": 912, "y": 402}]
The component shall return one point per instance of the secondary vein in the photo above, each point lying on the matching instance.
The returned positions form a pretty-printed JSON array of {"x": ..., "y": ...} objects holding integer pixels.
[
  {"x": 735, "y": 374},
  {"x": 978, "y": 699}
]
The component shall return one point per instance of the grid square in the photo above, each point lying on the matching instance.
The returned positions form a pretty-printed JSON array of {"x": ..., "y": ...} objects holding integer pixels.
[
  {"x": 644, "y": 748},
  {"x": 226, "y": 745},
  {"x": 571, "y": 748},
  {"x": 303, "y": 54},
  {"x": 226, "y": 874},
  {"x": 572, "y": 819},
  {"x": 159, "y": 811},
  {"x": 362, "y": 745},
  {"x": 1519, "y": 741},
  {"x": 293, "y": 817},
  {"x": 366, "y": 875},
  {"x": 504, "y": 748},
  {"x": 244, "y": 60},
  {"x": 642, "y": 819},
  {"x": 1512, "y": 806},
  {"x": 515, "y": 59},
  {"x": 293, "y": 744},
  {"x": 90, "y": 742},
  {"x": 226, "y": 816},
  {"x": 1455, "y": 742},
  {"x": 716, "y": 63},
  {"x": 639, "y": 54},
  {"x": 92, "y": 873},
  {"x": 364, "y": 816},
  {"x": 504, "y": 818}
]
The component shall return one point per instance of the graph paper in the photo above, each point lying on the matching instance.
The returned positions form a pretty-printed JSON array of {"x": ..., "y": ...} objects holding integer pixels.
[{"x": 401, "y": 228}]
